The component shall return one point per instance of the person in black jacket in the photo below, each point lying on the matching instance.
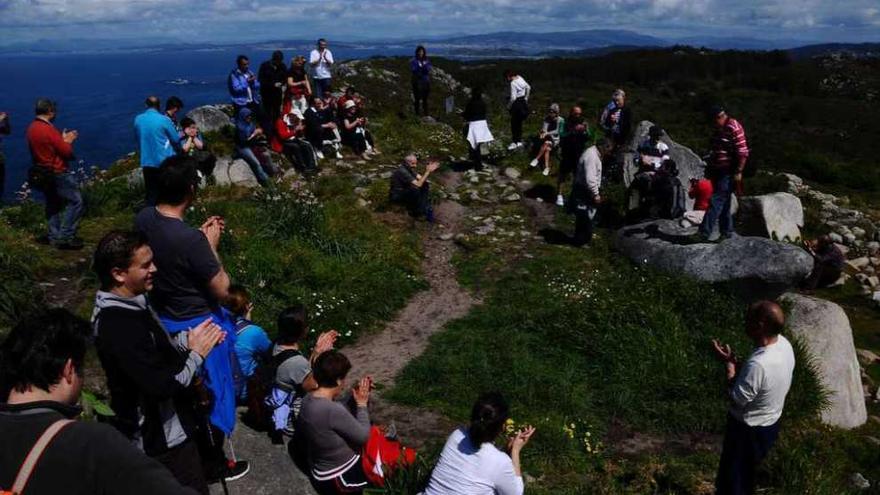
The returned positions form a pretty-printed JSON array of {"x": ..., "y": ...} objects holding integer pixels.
[
  {"x": 41, "y": 365},
  {"x": 147, "y": 372},
  {"x": 476, "y": 130},
  {"x": 273, "y": 78}
]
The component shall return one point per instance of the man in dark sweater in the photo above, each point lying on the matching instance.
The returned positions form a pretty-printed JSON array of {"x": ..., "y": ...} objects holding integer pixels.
[
  {"x": 410, "y": 188},
  {"x": 147, "y": 372},
  {"x": 41, "y": 363}
]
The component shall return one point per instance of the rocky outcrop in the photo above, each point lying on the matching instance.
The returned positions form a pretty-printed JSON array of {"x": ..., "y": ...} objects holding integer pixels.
[
  {"x": 229, "y": 172},
  {"x": 210, "y": 118},
  {"x": 690, "y": 166},
  {"x": 824, "y": 329},
  {"x": 777, "y": 216},
  {"x": 756, "y": 266}
]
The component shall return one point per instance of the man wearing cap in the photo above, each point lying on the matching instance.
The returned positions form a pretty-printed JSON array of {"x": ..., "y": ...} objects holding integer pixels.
[
  {"x": 321, "y": 61},
  {"x": 727, "y": 160},
  {"x": 157, "y": 138},
  {"x": 272, "y": 78}
]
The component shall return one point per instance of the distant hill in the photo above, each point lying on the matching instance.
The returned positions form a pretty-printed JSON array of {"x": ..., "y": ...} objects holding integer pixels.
[{"x": 857, "y": 50}]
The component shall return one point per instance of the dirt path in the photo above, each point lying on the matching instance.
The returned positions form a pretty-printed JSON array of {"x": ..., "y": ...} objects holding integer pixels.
[{"x": 383, "y": 355}]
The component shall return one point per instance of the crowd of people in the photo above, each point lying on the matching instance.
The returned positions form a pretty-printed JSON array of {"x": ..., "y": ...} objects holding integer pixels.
[{"x": 180, "y": 349}]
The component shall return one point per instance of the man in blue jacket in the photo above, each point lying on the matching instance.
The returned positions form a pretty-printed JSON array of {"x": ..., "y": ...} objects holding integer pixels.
[
  {"x": 244, "y": 86},
  {"x": 157, "y": 140}
]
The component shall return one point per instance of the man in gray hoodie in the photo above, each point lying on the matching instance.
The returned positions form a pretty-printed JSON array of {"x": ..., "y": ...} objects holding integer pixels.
[{"x": 147, "y": 372}]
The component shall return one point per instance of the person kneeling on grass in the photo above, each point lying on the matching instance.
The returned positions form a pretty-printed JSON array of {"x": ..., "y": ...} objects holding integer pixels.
[
  {"x": 757, "y": 388},
  {"x": 470, "y": 463},
  {"x": 292, "y": 378},
  {"x": 345, "y": 454},
  {"x": 553, "y": 127},
  {"x": 411, "y": 189},
  {"x": 251, "y": 340}
]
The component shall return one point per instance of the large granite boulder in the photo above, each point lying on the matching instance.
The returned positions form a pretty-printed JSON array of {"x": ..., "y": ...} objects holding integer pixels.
[
  {"x": 824, "y": 329},
  {"x": 210, "y": 118},
  {"x": 237, "y": 172},
  {"x": 690, "y": 166},
  {"x": 777, "y": 216},
  {"x": 757, "y": 267}
]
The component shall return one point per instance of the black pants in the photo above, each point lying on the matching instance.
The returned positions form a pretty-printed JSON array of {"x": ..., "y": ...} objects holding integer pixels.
[
  {"x": 151, "y": 184},
  {"x": 581, "y": 204},
  {"x": 421, "y": 90},
  {"x": 301, "y": 155},
  {"x": 185, "y": 464},
  {"x": 822, "y": 276},
  {"x": 417, "y": 201},
  {"x": 357, "y": 141},
  {"x": 209, "y": 440},
  {"x": 744, "y": 448},
  {"x": 271, "y": 98},
  {"x": 519, "y": 110}
]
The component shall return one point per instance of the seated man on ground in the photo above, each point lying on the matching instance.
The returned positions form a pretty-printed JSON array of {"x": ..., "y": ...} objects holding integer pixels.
[
  {"x": 41, "y": 372},
  {"x": 289, "y": 139},
  {"x": 470, "y": 462},
  {"x": 293, "y": 372},
  {"x": 321, "y": 129},
  {"x": 251, "y": 146},
  {"x": 193, "y": 145},
  {"x": 355, "y": 133},
  {"x": 828, "y": 266},
  {"x": 251, "y": 341},
  {"x": 147, "y": 373},
  {"x": 412, "y": 189},
  {"x": 551, "y": 129},
  {"x": 332, "y": 435},
  {"x": 701, "y": 192},
  {"x": 189, "y": 285}
]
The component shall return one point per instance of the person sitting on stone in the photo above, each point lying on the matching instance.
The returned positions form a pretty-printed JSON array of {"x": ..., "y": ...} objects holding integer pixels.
[
  {"x": 321, "y": 130},
  {"x": 551, "y": 130},
  {"x": 470, "y": 462},
  {"x": 651, "y": 151},
  {"x": 354, "y": 131},
  {"x": 42, "y": 371},
  {"x": 293, "y": 371},
  {"x": 828, "y": 265},
  {"x": 477, "y": 132},
  {"x": 193, "y": 144},
  {"x": 333, "y": 436},
  {"x": 573, "y": 140},
  {"x": 250, "y": 146},
  {"x": 251, "y": 341},
  {"x": 347, "y": 95},
  {"x": 701, "y": 192},
  {"x": 412, "y": 189},
  {"x": 289, "y": 139}
]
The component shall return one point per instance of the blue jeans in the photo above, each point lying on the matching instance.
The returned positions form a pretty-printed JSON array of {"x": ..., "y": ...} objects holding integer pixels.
[
  {"x": 719, "y": 208},
  {"x": 321, "y": 85},
  {"x": 64, "y": 208},
  {"x": 247, "y": 154}
]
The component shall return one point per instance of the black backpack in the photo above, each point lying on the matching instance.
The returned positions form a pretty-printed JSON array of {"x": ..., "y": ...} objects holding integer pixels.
[{"x": 259, "y": 386}]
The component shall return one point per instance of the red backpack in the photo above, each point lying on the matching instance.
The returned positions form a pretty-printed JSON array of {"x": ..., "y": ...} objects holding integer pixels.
[{"x": 382, "y": 456}]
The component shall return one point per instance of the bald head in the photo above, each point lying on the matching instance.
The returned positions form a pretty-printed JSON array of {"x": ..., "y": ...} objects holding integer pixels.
[
  {"x": 764, "y": 318},
  {"x": 152, "y": 102},
  {"x": 411, "y": 159}
]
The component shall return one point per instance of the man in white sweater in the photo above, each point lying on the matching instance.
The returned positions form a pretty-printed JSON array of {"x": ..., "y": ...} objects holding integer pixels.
[
  {"x": 518, "y": 105},
  {"x": 585, "y": 192},
  {"x": 757, "y": 388}
]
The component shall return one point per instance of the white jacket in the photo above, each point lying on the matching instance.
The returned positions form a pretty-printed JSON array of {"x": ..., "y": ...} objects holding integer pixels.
[
  {"x": 519, "y": 88},
  {"x": 589, "y": 170}
]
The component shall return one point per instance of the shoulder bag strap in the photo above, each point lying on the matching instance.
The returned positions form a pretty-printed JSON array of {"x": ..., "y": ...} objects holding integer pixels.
[{"x": 33, "y": 457}]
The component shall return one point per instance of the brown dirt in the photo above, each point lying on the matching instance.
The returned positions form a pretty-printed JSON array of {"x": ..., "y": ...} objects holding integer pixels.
[{"x": 384, "y": 355}]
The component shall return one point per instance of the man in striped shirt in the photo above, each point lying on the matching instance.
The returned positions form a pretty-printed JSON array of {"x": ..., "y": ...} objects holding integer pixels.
[{"x": 729, "y": 153}]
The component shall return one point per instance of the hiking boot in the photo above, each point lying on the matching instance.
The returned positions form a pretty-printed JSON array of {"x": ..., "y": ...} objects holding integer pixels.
[
  {"x": 560, "y": 201},
  {"x": 533, "y": 163},
  {"x": 72, "y": 244},
  {"x": 236, "y": 470}
]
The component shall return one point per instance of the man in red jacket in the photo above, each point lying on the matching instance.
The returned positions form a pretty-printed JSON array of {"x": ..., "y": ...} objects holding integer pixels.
[{"x": 51, "y": 150}]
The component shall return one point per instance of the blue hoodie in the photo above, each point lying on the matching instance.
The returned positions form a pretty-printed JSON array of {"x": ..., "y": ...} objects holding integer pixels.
[
  {"x": 157, "y": 137},
  {"x": 240, "y": 90}
]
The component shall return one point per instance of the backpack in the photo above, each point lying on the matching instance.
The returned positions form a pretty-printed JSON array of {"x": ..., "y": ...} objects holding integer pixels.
[
  {"x": 33, "y": 457},
  {"x": 381, "y": 456},
  {"x": 259, "y": 386}
]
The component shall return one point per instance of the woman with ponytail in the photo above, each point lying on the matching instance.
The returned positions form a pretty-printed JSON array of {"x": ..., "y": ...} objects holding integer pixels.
[{"x": 470, "y": 462}]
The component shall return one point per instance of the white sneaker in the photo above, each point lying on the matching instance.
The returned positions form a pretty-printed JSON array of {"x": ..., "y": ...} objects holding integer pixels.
[
  {"x": 320, "y": 155},
  {"x": 519, "y": 145},
  {"x": 533, "y": 163},
  {"x": 546, "y": 171},
  {"x": 560, "y": 201},
  {"x": 512, "y": 147},
  {"x": 338, "y": 155}
]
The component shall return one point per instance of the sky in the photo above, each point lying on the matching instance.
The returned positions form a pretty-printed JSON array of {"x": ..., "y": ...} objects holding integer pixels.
[{"x": 221, "y": 21}]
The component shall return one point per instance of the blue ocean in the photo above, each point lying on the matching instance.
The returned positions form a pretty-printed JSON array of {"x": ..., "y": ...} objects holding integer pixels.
[{"x": 100, "y": 94}]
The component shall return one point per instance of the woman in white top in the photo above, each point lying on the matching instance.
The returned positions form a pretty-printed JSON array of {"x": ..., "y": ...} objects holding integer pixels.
[{"x": 470, "y": 463}]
